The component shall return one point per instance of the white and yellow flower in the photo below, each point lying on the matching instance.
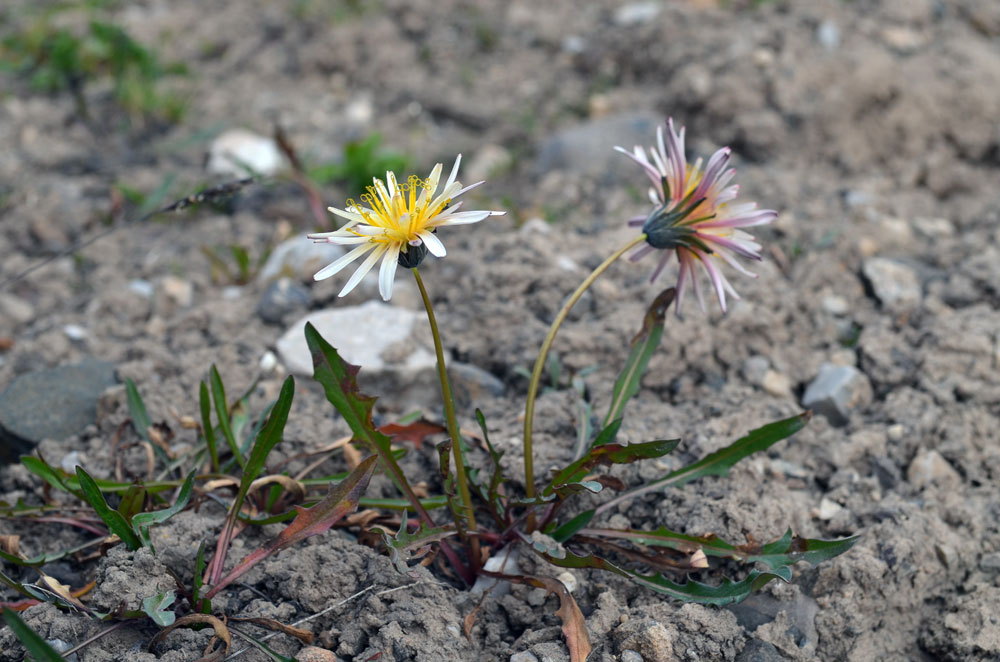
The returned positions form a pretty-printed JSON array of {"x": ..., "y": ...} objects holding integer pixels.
[
  {"x": 696, "y": 217},
  {"x": 397, "y": 223}
]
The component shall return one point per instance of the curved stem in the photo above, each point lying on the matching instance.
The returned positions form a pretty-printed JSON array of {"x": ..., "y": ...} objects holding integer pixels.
[
  {"x": 449, "y": 413},
  {"x": 536, "y": 374}
]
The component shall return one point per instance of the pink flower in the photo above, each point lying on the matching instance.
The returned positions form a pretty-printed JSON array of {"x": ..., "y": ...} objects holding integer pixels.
[{"x": 696, "y": 216}]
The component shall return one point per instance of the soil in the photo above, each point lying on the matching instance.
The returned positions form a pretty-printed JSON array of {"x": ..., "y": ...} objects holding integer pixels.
[{"x": 870, "y": 126}]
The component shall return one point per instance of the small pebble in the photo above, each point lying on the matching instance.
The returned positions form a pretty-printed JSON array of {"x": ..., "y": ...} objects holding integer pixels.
[
  {"x": 568, "y": 580},
  {"x": 75, "y": 332},
  {"x": 776, "y": 384},
  {"x": 895, "y": 432},
  {"x": 828, "y": 509},
  {"x": 316, "y": 654},
  {"x": 629, "y": 655},
  {"x": 523, "y": 656}
]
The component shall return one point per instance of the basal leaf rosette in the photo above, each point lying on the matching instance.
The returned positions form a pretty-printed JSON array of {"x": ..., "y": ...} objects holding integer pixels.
[
  {"x": 696, "y": 216},
  {"x": 396, "y": 222}
]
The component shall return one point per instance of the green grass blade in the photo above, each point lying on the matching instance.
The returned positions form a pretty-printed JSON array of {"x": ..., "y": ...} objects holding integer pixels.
[
  {"x": 644, "y": 344},
  {"x": 112, "y": 518},
  {"x": 46, "y": 472},
  {"x": 137, "y": 410},
  {"x": 35, "y": 645},
  {"x": 222, "y": 412},
  {"x": 205, "y": 403}
]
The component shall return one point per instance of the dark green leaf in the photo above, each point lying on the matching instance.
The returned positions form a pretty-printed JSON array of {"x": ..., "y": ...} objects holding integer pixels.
[
  {"x": 11, "y": 584},
  {"x": 222, "y": 412},
  {"x": 785, "y": 551},
  {"x": 43, "y": 470},
  {"x": 133, "y": 501},
  {"x": 206, "y": 425},
  {"x": 404, "y": 546},
  {"x": 142, "y": 521},
  {"x": 157, "y": 608},
  {"x": 719, "y": 462},
  {"x": 643, "y": 346},
  {"x": 40, "y": 650},
  {"x": 137, "y": 410},
  {"x": 112, "y": 518},
  {"x": 691, "y": 591},
  {"x": 567, "y": 530},
  {"x": 608, "y": 454}
]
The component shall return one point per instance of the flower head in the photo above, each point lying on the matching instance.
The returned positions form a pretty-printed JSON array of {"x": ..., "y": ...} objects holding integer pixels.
[
  {"x": 695, "y": 215},
  {"x": 397, "y": 223}
]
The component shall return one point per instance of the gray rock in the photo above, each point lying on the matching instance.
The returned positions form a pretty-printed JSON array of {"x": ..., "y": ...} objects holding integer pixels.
[
  {"x": 282, "y": 297},
  {"x": 636, "y": 13},
  {"x": 759, "y": 651},
  {"x": 760, "y": 609},
  {"x": 241, "y": 153},
  {"x": 523, "y": 656},
  {"x": 629, "y": 655},
  {"x": 930, "y": 468},
  {"x": 836, "y": 305},
  {"x": 299, "y": 257},
  {"x": 895, "y": 285},
  {"x": 755, "y": 368},
  {"x": 828, "y": 35},
  {"x": 470, "y": 385},
  {"x": 15, "y": 309},
  {"x": 586, "y": 148},
  {"x": 836, "y": 391},
  {"x": 391, "y": 344},
  {"x": 990, "y": 562},
  {"x": 51, "y": 404},
  {"x": 645, "y": 636}
]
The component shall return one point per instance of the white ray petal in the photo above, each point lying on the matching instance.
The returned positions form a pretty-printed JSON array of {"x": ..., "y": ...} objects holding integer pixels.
[
  {"x": 363, "y": 270},
  {"x": 387, "y": 272},
  {"x": 343, "y": 261},
  {"x": 433, "y": 244}
]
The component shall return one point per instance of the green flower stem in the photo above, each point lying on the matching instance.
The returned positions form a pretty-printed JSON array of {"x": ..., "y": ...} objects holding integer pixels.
[
  {"x": 536, "y": 374},
  {"x": 449, "y": 413}
]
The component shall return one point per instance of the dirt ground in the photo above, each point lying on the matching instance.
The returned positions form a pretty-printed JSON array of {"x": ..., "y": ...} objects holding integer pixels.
[{"x": 873, "y": 127}]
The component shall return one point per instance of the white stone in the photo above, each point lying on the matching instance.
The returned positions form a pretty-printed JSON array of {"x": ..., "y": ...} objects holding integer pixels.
[
  {"x": 895, "y": 284},
  {"x": 298, "y": 257},
  {"x": 241, "y": 153},
  {"x": 568, "y": 580},
  {"x": 505, "y": 561},
  {"x": 141, "y": 287},
  {"x": 836, "y": 305},
  {"x": 776, "y": 384},
  {"x": 928, "y": 468},
  {"x": 268, "y": 362},
  {"x": 636, "y": 13},
  {"x": 391, "y": 344},
  {"x": 75, "y": 332},
  {"x": 828, "y": 509}
]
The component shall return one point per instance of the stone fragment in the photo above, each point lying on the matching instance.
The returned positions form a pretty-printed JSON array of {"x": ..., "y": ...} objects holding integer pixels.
[
  {"x": 470, "y": 385},
  {"x": 241, "y": 153},
  {"x": 568, "y": 580},
  {"x": 282, "y": 297},
  {"x": 895, "y": 285},
  {"x": 298, "y": 257},
  {"x": 990, "y": 562},
  {"x": 636, "y": 13},
  {"x": 14, "y": 309},
  {"x": 523, "y": 656},
  {"x": 647, "y": 637},
  {"x": 391, "y": 345},
  {"x": 930, "y": 468},
  {"x": 828, "y": 509},
  {"x": 828, "y": 35},
  {"x": 583, "y": 149},
  {"x": 760, "y": 651},
  {"x": 777, "y": 384},
  {"x": 755, "y": 368},
  {"x": 965, "y": 627},
  {"x": 55, "y": 403},
  {"x": 173, "y": 293},
  {"x": 629, "y": 655},
  {"x": 315, "y": 654},
  {"x": 836, "y": 391},
  {"x": 836, "y": 305}
]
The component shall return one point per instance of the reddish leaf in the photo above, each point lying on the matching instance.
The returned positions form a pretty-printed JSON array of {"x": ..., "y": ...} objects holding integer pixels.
[
  {"x": 414, "y": 432},
  {"x": 341, "y": 501}
]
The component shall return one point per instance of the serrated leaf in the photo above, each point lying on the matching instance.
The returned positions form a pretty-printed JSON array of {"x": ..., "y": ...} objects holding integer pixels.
[
  {"x": 142, "y": 521},
  {"x": 719, "y": 462},
  {"x": 644, "y": 344},
  {"x": 725, "y": 593},
  {"x": 784, "y": 551},
  {"x": 413, "y": 432},
  {"x": 341, "y": 501},
  {"x": 30, "y": 639},
  {"x": 340, "y": 384},
  {"x": 608, "y": 454},
  {"x": 112, "y": 518},
  {"x": 574, "y": 627},
  {"x": 157, "y": 608},
  {"x": 404, "y": 546}
]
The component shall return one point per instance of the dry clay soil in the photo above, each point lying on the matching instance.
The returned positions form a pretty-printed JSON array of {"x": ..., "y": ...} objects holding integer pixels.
[{"x": 872, "y": 127}]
